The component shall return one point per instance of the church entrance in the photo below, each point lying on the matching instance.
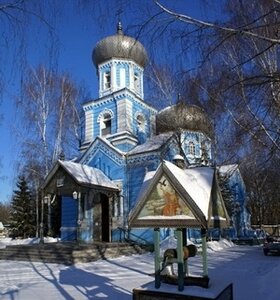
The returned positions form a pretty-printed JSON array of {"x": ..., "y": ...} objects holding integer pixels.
[
  {"x": 105, "y": 218},
  {"x": 101, "y": 218}
]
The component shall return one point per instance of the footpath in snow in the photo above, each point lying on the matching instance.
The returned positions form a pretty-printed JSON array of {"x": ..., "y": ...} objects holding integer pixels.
[{"x": 254, "y": 276}]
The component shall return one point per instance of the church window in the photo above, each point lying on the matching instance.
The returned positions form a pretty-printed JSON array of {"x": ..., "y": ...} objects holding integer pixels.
[
  {"x": 60, "y": 181},
  {"x": 204, "y": 153},
  {"x": 136, "y": 82},
  {"x": 107, "y": 80},
  {"x": 122, "y": 77},
  {"x": 191, "y": 148},
  {"x": 140, "y": 122},
  {"x": 105, "y": 124}
]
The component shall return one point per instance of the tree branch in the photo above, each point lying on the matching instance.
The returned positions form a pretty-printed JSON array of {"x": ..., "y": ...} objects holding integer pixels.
[{"x": 197, "y": 22}]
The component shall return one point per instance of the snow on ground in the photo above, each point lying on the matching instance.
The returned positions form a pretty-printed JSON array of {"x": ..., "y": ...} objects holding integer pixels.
[
  {"x": 254, "y": 276},
  {"x": 9, "y": 241}
]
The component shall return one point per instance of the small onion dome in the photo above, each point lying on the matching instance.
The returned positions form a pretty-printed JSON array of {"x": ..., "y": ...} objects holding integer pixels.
[
  {"x": 119, "y": 46},
  {"x": 183, "y": 116},
  {"x": 178, "y": 157},
  {"x": 179, "y": 161}
]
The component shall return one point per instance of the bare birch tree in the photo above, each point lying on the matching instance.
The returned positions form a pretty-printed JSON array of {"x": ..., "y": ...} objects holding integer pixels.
[
  {"x": 243, "y": 49},
  {"x": 17, "y": 19},
  {"x": 50, "y": 116}
]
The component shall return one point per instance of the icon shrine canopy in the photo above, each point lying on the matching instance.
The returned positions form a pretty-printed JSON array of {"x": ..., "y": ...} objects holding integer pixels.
[{"x": 173, "y": 197}]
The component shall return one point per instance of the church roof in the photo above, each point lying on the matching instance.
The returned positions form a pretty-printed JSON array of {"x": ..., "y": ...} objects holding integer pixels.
[
  {"x": 183, "y": 116},
  {"x": 83, "y": 175},
  {"x": 86, "y": 175},
  {"x": 199, "y": 202},
  {"x": 119, "y": 46},
  {"x": 152, "y": 144}
]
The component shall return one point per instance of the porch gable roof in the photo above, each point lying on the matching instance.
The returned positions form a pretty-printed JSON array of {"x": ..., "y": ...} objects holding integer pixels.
[{"x": 83, "y": 175}]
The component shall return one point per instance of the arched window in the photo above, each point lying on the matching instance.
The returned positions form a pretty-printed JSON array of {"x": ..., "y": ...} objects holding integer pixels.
[
  {"x": 191, "y": 148},
  {"x": 140, "y": 122},
  {"x": 122, "y": 77},
  {"x": 136, "y": 82},
  {"x": 105, "y": 124},
  {"x": 107, "y": 80}
]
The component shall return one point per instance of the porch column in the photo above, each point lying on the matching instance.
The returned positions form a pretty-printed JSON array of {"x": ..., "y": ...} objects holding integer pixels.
[
  {"x": 180, "y": 259},
  {"x": 77, "y": 196}
]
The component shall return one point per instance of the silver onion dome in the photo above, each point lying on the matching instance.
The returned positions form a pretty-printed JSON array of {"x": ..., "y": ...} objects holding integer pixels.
[
  {"x": 183, "y": 116},
  {"x": 119, "y": 46}
]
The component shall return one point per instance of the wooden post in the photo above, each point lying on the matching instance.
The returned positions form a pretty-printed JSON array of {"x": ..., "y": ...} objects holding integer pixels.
[
  {"x": 157, "y": 257},
  {"x": 204, "y": 252},
  {"x": 42, "y": 221},
  {"x": 180, "y": 260},
  {"x": 79, "y": 218},
  {"x": 186, "y": 267},
  {"x": 49, "y": 217}
]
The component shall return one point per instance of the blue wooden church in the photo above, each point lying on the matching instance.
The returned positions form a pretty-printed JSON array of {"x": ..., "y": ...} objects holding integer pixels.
[{"x": 125, "y": 140}]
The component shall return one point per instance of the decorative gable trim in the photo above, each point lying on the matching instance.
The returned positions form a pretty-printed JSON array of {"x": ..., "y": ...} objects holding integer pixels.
[
  {"x": 121, "y": 94},
  {"x": 104, "y": 146},
  {"x": 143, "y": 158}
]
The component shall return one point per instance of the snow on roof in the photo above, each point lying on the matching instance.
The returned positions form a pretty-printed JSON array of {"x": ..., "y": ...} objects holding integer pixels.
[
  {"x": 166, "y": 108},
  {"x": 147, "y": 179},
  {"x": 178, "y": 157},
  {"x": 84, "y": 174},
  {"x": 197, "y": 182},
  {"x": 154, "y": 143},
  {"x": 105, "y": 141},
  {"x": 194, "y": 187},
  {"x": 228, "y": 169}
]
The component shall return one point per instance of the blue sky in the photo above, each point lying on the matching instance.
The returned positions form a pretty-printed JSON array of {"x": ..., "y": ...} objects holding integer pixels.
[
  {"x": 77, "y": 32},
  {"x": 76, "y": 41}
]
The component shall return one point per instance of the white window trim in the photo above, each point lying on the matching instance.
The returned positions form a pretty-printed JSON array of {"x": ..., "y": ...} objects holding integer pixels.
[{"x": 101, "y": 119}]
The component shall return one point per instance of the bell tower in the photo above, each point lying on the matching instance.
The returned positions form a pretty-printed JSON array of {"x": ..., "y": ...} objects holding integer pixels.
[
  {"x": 120, "y": 61},
  {"x": 119, "y": 114}
]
